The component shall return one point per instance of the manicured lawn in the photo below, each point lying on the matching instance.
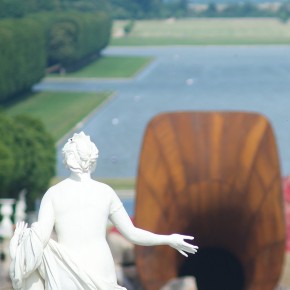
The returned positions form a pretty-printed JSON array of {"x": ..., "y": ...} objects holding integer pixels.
[
  {"x": 120, "y": 183},
  {"x": 60, "y": 112},
  {"x": 204, "y": 31},
  {"x": 111, "y": 67}
]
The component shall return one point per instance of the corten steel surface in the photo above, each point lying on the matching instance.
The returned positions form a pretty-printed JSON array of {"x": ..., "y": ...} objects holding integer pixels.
[{"x": 216, "y": 176}]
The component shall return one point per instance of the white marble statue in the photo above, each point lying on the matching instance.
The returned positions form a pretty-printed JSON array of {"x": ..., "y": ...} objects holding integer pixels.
[{"x": 79, "y": 209}]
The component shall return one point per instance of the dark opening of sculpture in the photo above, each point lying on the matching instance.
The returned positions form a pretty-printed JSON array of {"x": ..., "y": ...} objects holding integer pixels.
[
  {"x": 215, "y": 176},
  {"x": 214, "y": 268}
]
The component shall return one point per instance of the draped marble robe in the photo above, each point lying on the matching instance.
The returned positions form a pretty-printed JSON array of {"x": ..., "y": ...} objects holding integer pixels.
[{"x": 51, "y": 268}]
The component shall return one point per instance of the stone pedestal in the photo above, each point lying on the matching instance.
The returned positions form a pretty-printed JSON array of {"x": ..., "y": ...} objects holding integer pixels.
[{"x": 6, "y": 210}]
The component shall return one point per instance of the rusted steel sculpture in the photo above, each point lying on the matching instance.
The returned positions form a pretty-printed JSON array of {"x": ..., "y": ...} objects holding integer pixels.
[{"x": 216, "y": 176}]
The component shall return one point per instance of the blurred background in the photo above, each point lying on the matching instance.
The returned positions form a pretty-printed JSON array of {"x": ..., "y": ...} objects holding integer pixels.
[{"x": 108, "y": 67}]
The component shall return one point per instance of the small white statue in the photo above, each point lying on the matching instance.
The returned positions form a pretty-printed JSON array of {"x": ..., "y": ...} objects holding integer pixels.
[{"x": 79, "y": 208}]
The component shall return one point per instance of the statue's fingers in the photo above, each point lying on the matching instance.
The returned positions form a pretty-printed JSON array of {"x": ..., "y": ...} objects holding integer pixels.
[
  {"x": 21, "y": 227},
  {"x": 188, "y": 237},
  {"x": 186, "y": 244},
  {"x": 18, "y": 227},
  {"x": 193, "y": 250},
  {"x": 189, "y": 245},
  {"x": 190, "y": 249},
  {"x": 182, "y": 253}
]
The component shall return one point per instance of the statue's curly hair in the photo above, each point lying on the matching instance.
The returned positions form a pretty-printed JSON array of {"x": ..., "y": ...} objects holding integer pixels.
[{"x": 80, "y": 153}]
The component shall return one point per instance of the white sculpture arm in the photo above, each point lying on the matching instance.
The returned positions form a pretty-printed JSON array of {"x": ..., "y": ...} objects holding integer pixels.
[
  {"x": 46, "y": 217},
  {"x": 138, "y": 236}
]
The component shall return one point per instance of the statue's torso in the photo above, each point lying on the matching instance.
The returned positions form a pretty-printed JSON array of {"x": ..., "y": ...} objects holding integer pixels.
[{"x": 81, "y": 213}]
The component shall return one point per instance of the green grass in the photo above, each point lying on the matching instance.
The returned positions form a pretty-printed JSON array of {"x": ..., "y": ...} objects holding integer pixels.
[
  {"x": 111, "y": 67},
  {"x": 204, "y": 31},
  {"x": 60, "y": 112},
  {"x": 119, "y": 183}
]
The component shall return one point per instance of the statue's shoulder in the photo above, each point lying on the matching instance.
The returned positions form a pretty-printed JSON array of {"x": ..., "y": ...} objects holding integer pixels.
[
  {"x": 104, "y": 187},
  {"x": 58, "y": 185},
  {"x": 56, "y": 188}
]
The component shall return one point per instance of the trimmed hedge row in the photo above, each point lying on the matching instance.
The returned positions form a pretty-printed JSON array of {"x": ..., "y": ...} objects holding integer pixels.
[
  {"x": 72, "y": 36},
  {"x": 19, "y": 8},
  {"x": 22, "y": 56},
  {"x": 27, "y": 157},
  {"x": 30, "y": 44}
]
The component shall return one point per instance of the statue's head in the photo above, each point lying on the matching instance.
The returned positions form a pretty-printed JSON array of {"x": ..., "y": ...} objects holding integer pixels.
[{"x": 80, "y": 153}]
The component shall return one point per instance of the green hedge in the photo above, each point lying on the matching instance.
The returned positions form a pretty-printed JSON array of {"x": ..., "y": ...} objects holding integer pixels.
[
  {"x": 28, "y": 45},
  {"x": 72, "y": 36},
  {"x": 22, "y": 56},
  {"x": 27, "y": 157},
  {"x": 20, "y": 8}
]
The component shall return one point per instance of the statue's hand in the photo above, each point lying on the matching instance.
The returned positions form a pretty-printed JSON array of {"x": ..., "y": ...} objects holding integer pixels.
[
  {"x": 17, "y": 237},
  {"x": 20, "y": 229},
  {"x": 177, "y": 242}
]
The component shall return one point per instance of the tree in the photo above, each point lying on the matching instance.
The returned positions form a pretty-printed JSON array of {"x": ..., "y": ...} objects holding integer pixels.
[
  {"x": 84, "y": 5},
  {"x": 125, "y": 9},
  {"x": 211, "y": 10},
  {"x": 284, "y": 12},
  {"x": 7, "y": 160},
  {"x": 27, "y": 157}
]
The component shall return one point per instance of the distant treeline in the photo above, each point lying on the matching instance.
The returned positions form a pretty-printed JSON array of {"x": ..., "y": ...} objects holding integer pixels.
[
  {"x": 142, "y": 9},
  {"x": 245, "y": 9},
  {"x": 42, "y": 33}
]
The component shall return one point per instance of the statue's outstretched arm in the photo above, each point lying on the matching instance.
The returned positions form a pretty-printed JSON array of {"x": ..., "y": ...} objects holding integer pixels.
[{"x": 138, "y": 236}]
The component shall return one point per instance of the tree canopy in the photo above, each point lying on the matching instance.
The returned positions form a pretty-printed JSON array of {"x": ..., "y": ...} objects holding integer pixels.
[
  {"x": 27, "y": 157},
  {"x": 20, "y": 8}
]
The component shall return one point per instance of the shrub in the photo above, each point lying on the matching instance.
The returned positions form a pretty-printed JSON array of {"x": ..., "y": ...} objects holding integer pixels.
[{"x": 129, "y": 27}]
